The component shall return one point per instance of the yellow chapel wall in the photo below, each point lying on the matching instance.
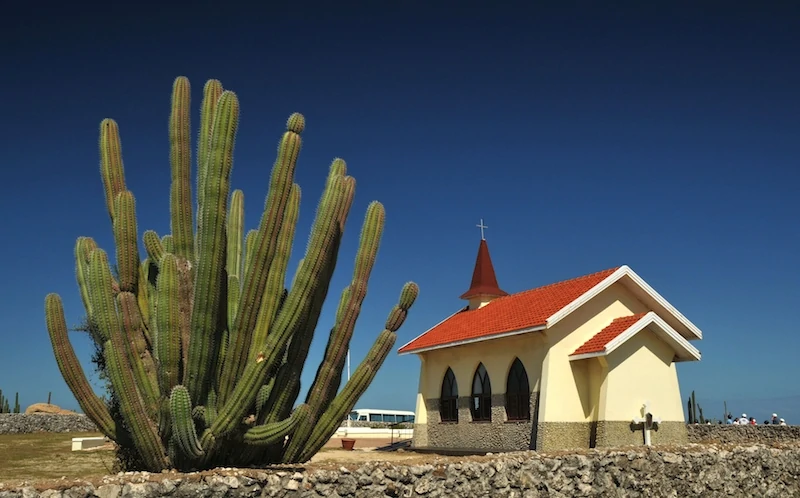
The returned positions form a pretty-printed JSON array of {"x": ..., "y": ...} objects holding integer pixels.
[
  {"x": 571, "y": 388},
  {"x": 642, "y": 370},
  {"x": 497, "y": 355}
]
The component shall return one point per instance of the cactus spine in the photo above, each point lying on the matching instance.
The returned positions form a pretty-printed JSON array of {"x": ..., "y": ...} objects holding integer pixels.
[{"x": 203, "y": 345}]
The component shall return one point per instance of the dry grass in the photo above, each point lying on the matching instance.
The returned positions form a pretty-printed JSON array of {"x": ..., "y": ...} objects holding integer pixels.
[{"x": 46, "y": 455}]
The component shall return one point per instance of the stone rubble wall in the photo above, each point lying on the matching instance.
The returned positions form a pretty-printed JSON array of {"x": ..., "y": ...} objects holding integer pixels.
[
  {"x": 743, "y": 434},
  {"x": 693, "y": 470},
  {"x": 20, "y": 423}
]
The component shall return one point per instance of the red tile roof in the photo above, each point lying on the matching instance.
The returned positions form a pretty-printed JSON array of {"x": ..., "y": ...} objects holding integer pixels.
[
  {"x": 598, "y": 343},
  {"x": 484, "y": 281},
  {"x": 518, "y": 311}
]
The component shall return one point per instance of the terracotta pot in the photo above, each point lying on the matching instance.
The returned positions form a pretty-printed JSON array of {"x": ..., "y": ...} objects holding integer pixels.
[{"x": 348, "y": 444}]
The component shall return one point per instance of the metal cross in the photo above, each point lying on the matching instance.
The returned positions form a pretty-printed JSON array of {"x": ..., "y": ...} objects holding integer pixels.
[
  {"x": 482, "y": 226},
  {"x": 647, "y": 422}
]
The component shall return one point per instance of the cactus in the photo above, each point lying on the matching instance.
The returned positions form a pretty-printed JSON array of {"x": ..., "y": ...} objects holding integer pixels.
[
  {"x": 690, "y": 411},
  {"x": 202, "y": 345},
  {"x": 5, "y": 407},
  {"x": 48, "y": 397},
  {"x": 702, "y": 418}
]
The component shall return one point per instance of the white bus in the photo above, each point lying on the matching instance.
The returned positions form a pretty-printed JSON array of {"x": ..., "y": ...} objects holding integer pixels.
[{"x": 386, "y": 416}]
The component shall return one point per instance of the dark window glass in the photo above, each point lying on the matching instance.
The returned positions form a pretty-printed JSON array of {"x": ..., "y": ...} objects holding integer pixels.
[
  {"x": 448, "y": 401},
  {"x": 518, "y": 393},
  {"x": 481, "y": 406}
]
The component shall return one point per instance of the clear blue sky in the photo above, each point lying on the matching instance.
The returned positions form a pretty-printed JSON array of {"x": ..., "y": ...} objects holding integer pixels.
[{"x": 665, "y": 138}]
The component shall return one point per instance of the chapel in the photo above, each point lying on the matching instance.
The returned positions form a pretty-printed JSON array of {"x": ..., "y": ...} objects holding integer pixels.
[{"x": 582, "y": 363}]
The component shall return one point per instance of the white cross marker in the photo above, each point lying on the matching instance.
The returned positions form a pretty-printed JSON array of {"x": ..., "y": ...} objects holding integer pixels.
[
  {"x": 482, "y": 226},
  {"x": 647, "y": 422}
]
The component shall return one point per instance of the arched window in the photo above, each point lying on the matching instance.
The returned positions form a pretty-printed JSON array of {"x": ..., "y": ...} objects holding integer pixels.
[
  {"x": 448, "y": 401},
  {"x": 481, "y": 396},
  {"x": 518, "y": 393}
]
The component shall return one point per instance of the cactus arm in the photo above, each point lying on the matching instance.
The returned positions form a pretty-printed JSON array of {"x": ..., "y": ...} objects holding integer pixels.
[
  {"x": 276, "y": 279},
  {"x": 126, "y": 241},
  {"x": 153, "y": 246},
  {"x": 263, "y": 396},
  {"x": 181, "y": 166},
  {"x": 212, "y": 91},
  {"x": 144, "y": 371},
  {"x": 329, "y": 374},
  {"x": 235, "y": 234},
  {"x": 344, "y": 402},
  {"x": 303, "y": 445},
  {"x": 336, "y": 198},
  {"x": 168, "y": 323},
  {"x": 249, "y": 249},
  {"x": 142, "y": 430},
  {"x": 180, "y": 407},
  {"x": 111, "y": 167},
  {"x": 287, "y": 378},
  {"x": 166, "y": 242},
  {"x": 83, "y": 247},
  {"x": 234, "y": 294},
  {"x": 268, "y": 434},
  {"x": 265, "y": 246},
  {"x": 71, "y": 368},
  {"x": 211, "y": 245}
]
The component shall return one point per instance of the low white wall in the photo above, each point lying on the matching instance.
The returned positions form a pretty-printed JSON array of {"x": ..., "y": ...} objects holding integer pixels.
[{"x": 367, "y": 432}]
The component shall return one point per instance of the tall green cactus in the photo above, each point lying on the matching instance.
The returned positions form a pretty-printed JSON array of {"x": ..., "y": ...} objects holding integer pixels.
[{"x": 202, "y": 344}]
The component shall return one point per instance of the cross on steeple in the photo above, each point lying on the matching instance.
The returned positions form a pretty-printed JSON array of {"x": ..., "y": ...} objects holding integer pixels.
[{"x": 482, "y": 226}]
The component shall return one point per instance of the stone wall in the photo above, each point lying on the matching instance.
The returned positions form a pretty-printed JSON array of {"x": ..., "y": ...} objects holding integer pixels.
[
  {"x": 695, "y": 470},
  {"x": 499, "y": 434},
  {"x": 20, "y": 423},
  {"x": 738, "y": 434}
]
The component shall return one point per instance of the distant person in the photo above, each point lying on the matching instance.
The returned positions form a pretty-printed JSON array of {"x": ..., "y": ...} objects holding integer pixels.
[
  {"x": 766, "y": 422},
  {"x": 730, "y": 419},
  {"x": 743, "y": 419},
  {"x": 783, "y": 422},
  {"x": 753, "y": 421},
  {"x": 775, "y": 420}
]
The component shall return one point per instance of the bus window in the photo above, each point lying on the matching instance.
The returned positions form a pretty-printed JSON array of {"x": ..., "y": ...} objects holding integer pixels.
[
  {"x": 389, "y": 418},
  {"x": 375, "y": 417},
  {"x": 362, "y": 418},
  {"x": 353, "y": 415}
]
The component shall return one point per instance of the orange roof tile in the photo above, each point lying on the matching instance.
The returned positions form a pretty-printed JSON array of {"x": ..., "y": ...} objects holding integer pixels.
[
  {"x": 598, "y": 343},
  {"x": 518, "y": 311}
]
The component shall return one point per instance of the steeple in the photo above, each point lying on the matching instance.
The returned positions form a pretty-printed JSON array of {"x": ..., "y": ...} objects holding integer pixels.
[{"x": 483, "y": 287}]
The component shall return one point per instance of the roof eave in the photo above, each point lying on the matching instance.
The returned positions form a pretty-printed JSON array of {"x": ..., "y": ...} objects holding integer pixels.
[
  {"x": 473, "y": 340},
  {"x": 619, "y": 274},
  {"x": 681, "y": 346}
]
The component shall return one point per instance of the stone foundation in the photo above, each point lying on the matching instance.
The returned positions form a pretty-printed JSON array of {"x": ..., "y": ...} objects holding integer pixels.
[
  {"x": 621, "y": 433},
  {"x": 553, "y": 436},
  {"x": 499, "y": 434},
  {"x": 696, "y": 470}
]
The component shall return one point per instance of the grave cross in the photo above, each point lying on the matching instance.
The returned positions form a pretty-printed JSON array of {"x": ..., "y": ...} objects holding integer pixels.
[
  {"x": 647, "y": 422},
  {"x": 482, "y": 226}
]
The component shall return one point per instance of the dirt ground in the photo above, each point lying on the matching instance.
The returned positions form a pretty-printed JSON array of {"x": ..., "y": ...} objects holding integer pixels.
[{"x": 46, "y": 460}]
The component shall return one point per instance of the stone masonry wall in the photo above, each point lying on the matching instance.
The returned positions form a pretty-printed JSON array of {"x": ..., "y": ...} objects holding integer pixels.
[
  {"x": 697, "y": 470},
  {"x": 499, "y": 434},
  {"x": 747, "y": 434},
  {"x": 20, "y": 423}
]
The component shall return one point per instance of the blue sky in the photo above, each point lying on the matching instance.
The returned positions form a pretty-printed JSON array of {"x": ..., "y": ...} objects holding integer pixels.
[{"x": 662, "y": 137}]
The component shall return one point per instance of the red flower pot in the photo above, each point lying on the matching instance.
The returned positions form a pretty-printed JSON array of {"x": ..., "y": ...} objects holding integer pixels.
[{"x": 348, "y": 444}]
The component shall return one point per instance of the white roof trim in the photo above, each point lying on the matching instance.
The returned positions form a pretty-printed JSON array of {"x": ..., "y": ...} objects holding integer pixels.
[
  {"x": 624, "y": 271},
  {"x": 667, "y": 333}
]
